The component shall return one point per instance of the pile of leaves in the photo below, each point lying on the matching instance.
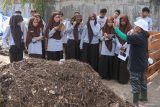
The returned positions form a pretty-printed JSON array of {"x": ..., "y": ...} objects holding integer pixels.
[{"x": 41, "y": 83}]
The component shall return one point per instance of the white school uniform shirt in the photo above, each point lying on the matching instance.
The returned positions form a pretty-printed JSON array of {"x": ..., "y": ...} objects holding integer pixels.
[
  {"x": 35, "y": 47},
  {"x": 66, "y": 24},
  {"x": 119, "y": 45},
  {"x": 105, "y": 51},
  {"x": 101, "y": 21},
  {"x": 96, "y": 37},
  {"x": 148, "y": 20},
  {"x": 69, "y": 31},
  {"x": 8, "y": 36},
  {"x": 24, "y": 30},
  {"x": 53, "y": 44}
]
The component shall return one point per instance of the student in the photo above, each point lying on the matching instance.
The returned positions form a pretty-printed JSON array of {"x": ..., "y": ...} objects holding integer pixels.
[
  {"x": 54, "y": 35},
  {"x": 121, "y": 72},
  {"x": 23, "y": 25},
  {"x": 76, "y": 13},
  {"x": 17, "y": 12},
  {"x": 145, "y": 16},
  {"x": 116, "y": 15},
  {"x": 74, "y": 30},
  {"x": 34, "y": 37},
  {"x": 90, "y": 42},
  {"x": 138, "y": 59},
  {"x": 15, "y": 35},
  {"x": 64, "y": 38},
  {"x": 106, "y": 61},
  {"x": 101, "y": 19},
  {"x": 32, "y": 13},
  {"x": 38, "y": 17}
]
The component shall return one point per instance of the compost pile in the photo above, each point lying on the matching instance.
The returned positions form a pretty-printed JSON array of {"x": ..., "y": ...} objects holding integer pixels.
[
  {"x": 41, "y": 83},
  {"x": 4, "y": 51}
]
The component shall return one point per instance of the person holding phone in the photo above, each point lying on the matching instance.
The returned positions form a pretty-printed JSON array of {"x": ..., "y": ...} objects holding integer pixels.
[
  {"x": 54, "y": 34},
  {"x": 34, "y": 38},
  {"x": 90, "y": 42},
  {"x": 106, "y": 61},
  {"x": 74, "y": 30},
  {"x": 121, "y": 52}
]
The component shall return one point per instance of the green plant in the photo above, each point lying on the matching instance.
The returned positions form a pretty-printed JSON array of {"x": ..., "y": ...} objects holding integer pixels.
[{"x": 35, "y": 4}]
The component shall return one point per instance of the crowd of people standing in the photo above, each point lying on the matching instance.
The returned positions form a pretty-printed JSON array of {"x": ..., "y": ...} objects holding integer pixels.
[{"x": 96, "y": 42}]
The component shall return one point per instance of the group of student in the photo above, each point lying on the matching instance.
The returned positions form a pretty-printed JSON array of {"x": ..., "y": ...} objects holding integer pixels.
[{"x": 97, "y": 42}]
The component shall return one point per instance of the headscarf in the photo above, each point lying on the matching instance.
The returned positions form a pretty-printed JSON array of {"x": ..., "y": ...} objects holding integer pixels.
[
  {"x": 90, "y": 31},
  {"x": 41, "y": 21},
  {"x": 51, "y": 25},
  {"x": 33, "y": 31},
  {"x": 16, "y": 29},
  {"x": 108, "y": 30},
  {"x": 124, "y": 28},
  {"x": 75, "y": 29}
]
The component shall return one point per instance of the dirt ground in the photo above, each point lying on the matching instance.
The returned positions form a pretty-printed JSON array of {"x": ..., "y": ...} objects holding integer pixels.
[{"x": 124, "y": 91}]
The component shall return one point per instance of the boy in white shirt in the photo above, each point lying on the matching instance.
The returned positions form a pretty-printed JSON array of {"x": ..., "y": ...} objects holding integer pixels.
[
  {"x": 101, "y": 19},
  {"x": 145, "y": 16}
]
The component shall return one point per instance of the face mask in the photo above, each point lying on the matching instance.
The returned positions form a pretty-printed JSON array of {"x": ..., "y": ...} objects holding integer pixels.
[
  {"x": 91, "y": 22},
  {"x": 101, "y": 17},
  {"x": 20, "y": 23}
]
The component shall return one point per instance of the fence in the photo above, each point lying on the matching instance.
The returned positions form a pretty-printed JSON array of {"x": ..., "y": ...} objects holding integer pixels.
[{"x": 154, "y": 53}]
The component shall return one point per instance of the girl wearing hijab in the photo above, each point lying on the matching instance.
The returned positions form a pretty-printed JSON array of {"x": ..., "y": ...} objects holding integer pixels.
[
  {"x": 64, "y": 38},
  {"x": 90, "y": 42},
  {"x": 54, "y": 34},
  {"x": 121, "y": 72},
  {"x": 106, "y": 62},
  {"x": 16, "y": 39},
  {"x": 74, "y": 31},
  {"x": 34, "y": 38},
  {"x": 43, "y": 24}
]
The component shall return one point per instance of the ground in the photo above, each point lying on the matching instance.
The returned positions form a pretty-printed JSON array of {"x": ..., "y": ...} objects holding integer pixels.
[{"x": 124, "y": 91}]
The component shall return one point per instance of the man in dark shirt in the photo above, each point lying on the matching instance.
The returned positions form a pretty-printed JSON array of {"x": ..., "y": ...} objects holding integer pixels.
[
  {"x": 138, "y": 56},
  {"x": 138, "y": 59}
]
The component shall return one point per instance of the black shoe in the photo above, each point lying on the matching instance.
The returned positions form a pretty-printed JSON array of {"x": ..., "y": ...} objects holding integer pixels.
[
  {"x": 143, "y": 96},
  {"x": 136, "y": 99}
]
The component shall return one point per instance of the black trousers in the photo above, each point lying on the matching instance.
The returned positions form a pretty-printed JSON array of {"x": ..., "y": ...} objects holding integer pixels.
[
  {"x": 35, "y": 56},
  {"x": 106, "y": 65},
  {"x": 15, "y": 54},
  {"x": 65, "y": 50},
  {"x": 90, "y": 55},
  {"x": 123, "y": 75},
  {"x": 116, "y": 69},
  {"x": 73, "y": 49},
  {"x": 56, "y": 56},
  {"x": 43, "y": 50}
]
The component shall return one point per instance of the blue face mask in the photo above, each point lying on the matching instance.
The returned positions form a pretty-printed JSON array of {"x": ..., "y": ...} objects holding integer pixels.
[{"x": 101, "y": 17}]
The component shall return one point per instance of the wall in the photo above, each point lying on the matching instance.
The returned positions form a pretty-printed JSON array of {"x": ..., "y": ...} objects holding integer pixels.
[{"x": 130, "y": 7}]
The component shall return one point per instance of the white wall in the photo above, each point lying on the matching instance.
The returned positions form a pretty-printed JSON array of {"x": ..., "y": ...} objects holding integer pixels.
[{"x": 130, "y": 7}]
